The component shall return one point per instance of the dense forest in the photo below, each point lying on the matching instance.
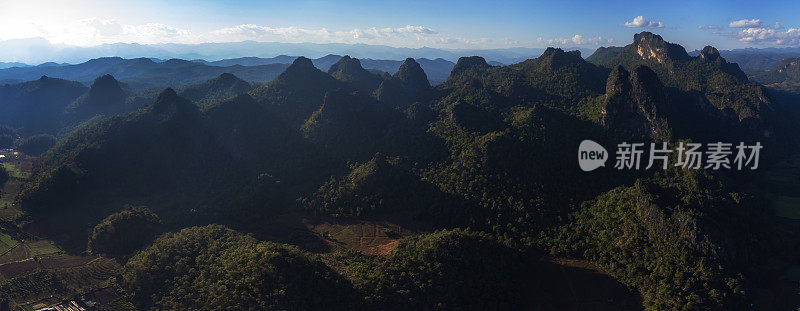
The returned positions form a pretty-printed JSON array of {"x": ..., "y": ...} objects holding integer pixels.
[{"x": 356, "y": 189}]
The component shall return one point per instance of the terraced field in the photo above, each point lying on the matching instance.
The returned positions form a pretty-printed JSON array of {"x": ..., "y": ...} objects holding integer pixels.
[
  {"x": 37, "y": 273},
  {"x": 52, "y": 280}
]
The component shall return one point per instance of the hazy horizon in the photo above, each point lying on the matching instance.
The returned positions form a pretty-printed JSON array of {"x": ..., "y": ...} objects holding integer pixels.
[
  {"x": 412, "y": 24},
  {"x": 35, "y": 51}
]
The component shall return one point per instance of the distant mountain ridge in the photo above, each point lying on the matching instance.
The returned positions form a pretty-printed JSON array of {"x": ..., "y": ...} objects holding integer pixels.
[
  {"x": 783, "y": 81},
  {"x": 436, "y": 69},
  {"x": 39, "y": 50},
  {"x": 12, "y": 64},
  {"x": 144, "y": 72}
]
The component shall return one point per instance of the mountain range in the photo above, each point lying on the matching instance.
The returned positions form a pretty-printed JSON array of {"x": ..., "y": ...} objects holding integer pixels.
[
  {"x": 473, "y": 181},
  {"x": 751, "y": 60},
  {"x": 39, "y": 50},
  {"x": 142, "y": 73}
]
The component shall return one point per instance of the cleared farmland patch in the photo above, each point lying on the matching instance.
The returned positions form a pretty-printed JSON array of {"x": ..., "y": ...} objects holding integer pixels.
[
  {"x": 18, "y": 253},
  {"x": 18, "y": 169},
  {"x": 52, "y": 280},
  {"x": 8, "y": 193},
  {"x": 366, "y": 237},
  {"x": 6, "y": 243},
  {"x": 16, "y": 269},
  {"x": 42, "y": 248},
  {"x": 65, "y": 262}
]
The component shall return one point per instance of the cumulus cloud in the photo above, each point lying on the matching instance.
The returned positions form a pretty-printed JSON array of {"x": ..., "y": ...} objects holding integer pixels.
[
  {"x": 709, "y": 27},
  {"x": 94, "y": 31},
  {"x": 406, "y": 35},
  {"x": 102, "y": 27},
  {"x": 641, "y": 22},
  {"x": 155, "y": 32},
  {"x": 577, "y": 40},
  {"x": 409, "y": 29},
  {"x": 409, "y": 35},
  {"x": 746, "y": 23},
  {"x": 769, "y": 36},
  {"x": 252, "y": 32},
  {"x": 404, "y": 32}
]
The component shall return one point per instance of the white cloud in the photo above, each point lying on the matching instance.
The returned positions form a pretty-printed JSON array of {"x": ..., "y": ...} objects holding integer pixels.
[
  {"x": 155, "y": 33},
  {"x": 641, "y": 22},
  {"x": 409, "y": 29},
  {"x": 709, "y": 27},
  {"x": 769, "y": 36},
  {"x": 102, "y": 27},
  {"x": 409, "y": 35},
  {"x": 95, "y": 31},
  {"x": 577, "y": 40},
  {"x": 254, "y": 32},
  {"x": 746, "y": 23}
]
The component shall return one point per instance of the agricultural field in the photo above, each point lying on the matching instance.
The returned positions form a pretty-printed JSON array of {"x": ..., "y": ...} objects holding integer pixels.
[
  {"x": 369, "y": 237},
  {"x": 39, "y": 284},
  {"x": 19, "y": 168},
  {"x": 6, "y": 243},
  {"x": 36, "y": 273},
  {"x": 42, "y": 248},
  {"x": 8, "y": 194},
  {"x": 18, "y": 253}
]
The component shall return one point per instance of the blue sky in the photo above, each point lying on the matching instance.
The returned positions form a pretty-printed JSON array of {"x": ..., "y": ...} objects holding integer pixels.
[{"x": 441, "y": 24}]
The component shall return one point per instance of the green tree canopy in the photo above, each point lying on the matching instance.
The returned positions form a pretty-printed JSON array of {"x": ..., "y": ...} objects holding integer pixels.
[
  {"x": 452, "y": 270},
  {"x": 216, "y": 268},
  {"x": 122, "y": 233}
]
